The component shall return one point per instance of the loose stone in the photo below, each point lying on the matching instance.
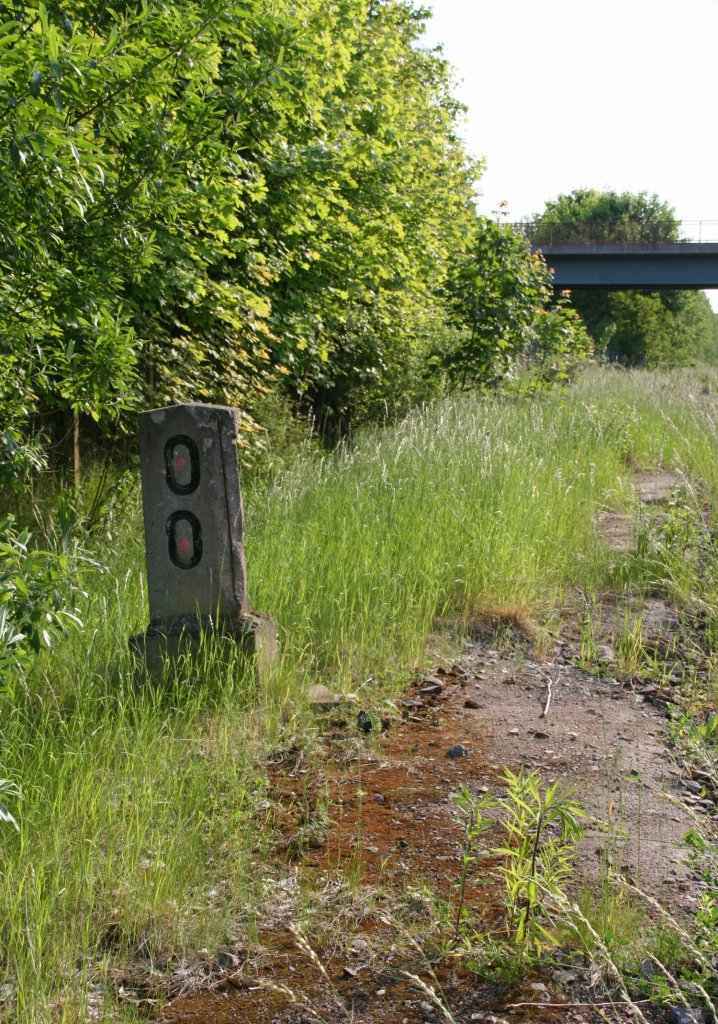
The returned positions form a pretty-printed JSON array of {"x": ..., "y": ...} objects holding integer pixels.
[
  {"x": 432, "y": 688},
  {"x": 458, "y": 750}
]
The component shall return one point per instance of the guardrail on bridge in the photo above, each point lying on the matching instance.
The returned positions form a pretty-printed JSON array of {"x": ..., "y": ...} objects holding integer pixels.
[{"x": 620, "y": 232}]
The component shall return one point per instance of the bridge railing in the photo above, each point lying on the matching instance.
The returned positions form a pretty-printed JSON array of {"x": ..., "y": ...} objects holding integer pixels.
[{"x": 596, "y": 232}]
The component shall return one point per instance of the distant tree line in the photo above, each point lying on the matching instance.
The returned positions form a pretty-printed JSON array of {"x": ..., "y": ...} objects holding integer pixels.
[{"x": 637, "y": 328}]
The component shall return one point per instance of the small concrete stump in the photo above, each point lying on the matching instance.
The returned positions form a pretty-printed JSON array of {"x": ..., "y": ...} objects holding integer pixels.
[{"x": 194, "y": 521}]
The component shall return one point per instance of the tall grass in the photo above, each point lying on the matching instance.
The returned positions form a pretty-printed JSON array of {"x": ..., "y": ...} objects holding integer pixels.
[
  {"x": 472, "y": 503},
  {"x": 141, "y": 826}
]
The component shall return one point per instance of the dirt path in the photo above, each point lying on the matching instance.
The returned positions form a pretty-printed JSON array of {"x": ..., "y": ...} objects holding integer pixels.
[{"x": 392, "y": 831}]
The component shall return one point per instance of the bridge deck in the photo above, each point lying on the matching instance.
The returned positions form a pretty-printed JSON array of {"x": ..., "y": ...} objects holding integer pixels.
[{"x": 688, "y": 265}]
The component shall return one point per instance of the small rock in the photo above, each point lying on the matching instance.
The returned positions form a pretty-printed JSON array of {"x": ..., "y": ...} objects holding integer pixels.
[
  {"x": 228, "y": 960},
  {"x": 572, "y": 735},
  {"x": 428, "y": 680},
  {"x": 321, "y": 695},
  {"x": 458, "y": 750},
  {"x": 432, "y": 687},
  {"x": 380, "y": 798},
  {"x": 473, "y": 704},
  {"x": 359, "y": 945},
  {"x": 605, "y": 653},
  {"x": 649, "y": 970},
  {"x": 538, "y": 735},
  {"x": 349, "y": 972},
  {"x": 371, "y": 849},
  {"x": 364, "y": 721},
  {"x": 290, "y": 884},
  {"x": 513, "y": 732},
  {"x": 564, "y": 977},
  {"x": 541, "y": 991},
  {"x": 685, "y": 1015}
]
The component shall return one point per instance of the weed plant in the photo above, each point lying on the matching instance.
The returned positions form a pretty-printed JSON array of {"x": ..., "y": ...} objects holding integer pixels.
[
  {"x": 141, "y": 825},
  {"x": 541, "y": 829}
]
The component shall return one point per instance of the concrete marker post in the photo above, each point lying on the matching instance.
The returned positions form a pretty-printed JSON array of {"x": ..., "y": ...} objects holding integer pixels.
[{"x": 194, "y": 521}]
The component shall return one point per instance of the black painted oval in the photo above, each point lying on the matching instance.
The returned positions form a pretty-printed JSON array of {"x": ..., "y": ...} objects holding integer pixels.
[
  {"x": 176, "y": 556},
  {"x": 193, "y": 453}
]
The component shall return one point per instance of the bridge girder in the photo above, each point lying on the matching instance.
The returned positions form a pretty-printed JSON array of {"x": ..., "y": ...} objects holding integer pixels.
[{"x": 684, "y": 265}]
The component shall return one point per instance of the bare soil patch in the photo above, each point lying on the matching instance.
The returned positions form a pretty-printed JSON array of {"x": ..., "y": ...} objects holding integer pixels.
[
  {"x": 617, "y": 529},
  {"x": 390, "y": 828}
]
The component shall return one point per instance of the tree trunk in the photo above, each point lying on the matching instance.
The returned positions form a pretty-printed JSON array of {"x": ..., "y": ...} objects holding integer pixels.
[{"x": 72, "y": 446}]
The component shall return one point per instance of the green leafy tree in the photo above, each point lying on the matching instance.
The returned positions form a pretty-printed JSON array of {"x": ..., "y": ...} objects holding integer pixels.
[
  {"x": 210, "y": 202},
  {"x": 39, "y": 592},
  {"x": 501, "y": 303},
  {"x": 204, "y": 197},
  {"x": 625, "y": 215},
  {"x": 375, "y": 198}
]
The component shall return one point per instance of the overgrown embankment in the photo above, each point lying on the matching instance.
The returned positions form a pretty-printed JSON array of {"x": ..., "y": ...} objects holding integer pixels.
[{"x": 143, "y": 822}]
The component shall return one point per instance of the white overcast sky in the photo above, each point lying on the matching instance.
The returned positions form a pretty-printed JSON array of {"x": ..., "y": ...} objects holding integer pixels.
[{"x": 564, "y": 94}]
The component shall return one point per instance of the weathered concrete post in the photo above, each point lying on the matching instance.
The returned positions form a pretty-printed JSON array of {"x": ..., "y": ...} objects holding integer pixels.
[{"x": 196, "y": 574}]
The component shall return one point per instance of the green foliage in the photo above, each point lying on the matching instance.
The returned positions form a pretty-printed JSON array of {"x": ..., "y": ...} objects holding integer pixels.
[
  {"x": 38, "y": 599},
  {"x": 703, "y": 856},
  {"x": 470, "y": 811},
  {"x": 638, "y": 328},
  {"x": 500, "y": 299},
  {"x": 542, "y": 832},
  {"x": 541, "y": 829},
  {"x": 369, "y": 208},
  {"x": 588, "y": 205},
  {"x": 203, "y": 199}
]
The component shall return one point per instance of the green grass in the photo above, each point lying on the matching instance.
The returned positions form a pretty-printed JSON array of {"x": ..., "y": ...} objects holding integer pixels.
[
  {"x": 473, "y": 503},
  {"x": 141, "y": 823}
]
